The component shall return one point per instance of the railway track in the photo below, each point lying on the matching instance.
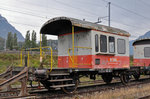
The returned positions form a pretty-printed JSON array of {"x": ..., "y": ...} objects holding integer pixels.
[
  {"x": 145, "y": 97},
  {"x": 99, "y": 86},
  {"x": 91, "y": 89}
]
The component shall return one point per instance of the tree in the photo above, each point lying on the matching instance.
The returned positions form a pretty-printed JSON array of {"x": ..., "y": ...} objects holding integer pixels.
[
  {"x": 2, "y": 43},
  {"x": 9, "y": 42},
  {"x": 20, "y": 45},
  {"x": 33, "y": 42},
  {"x": 27, "y": 40},
  {"x": 44, "y": 40},
  {"x": 15, "y": 43}
]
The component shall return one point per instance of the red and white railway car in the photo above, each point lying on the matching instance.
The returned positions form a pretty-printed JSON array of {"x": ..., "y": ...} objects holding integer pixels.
[
  {"x": 85, "y": 49},
  {"x": 93, "y": 46},
  {"x": 142, "y": 52}
]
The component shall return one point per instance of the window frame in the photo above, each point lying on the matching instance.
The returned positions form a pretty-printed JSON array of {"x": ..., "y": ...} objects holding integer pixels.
[
  {"x": 145, "y": 53},
  {"x": 114, "y": 44},
  {"x": 97, "y": 61},
  {"x": 106, "y": 44},
  {"x": 124, "y": 45},
  {"x": 96, "y": 45}
]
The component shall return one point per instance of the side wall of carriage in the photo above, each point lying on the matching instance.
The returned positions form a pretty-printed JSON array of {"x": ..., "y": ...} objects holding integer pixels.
[
  {"x": 141, "y": 55},
  {"x": 90, "y": 58},
  {"x": 114, "y": 57}
]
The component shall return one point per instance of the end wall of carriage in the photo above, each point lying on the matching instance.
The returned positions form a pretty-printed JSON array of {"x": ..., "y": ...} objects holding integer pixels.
[
  {"x": 82, "y": 56},
  {"x": 142, "y": 52}
]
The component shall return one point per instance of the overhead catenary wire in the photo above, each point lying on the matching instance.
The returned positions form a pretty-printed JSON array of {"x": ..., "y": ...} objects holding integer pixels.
[
  {"x": 98, "y": 4},
  {"x": 147, "y": 4},
  {"x": 128, "y": 10},
  {"x": 46, "y": 17},
  {"x": 82, "y": 13},
  {"x": 66, "y": 4},
  {"x": 24, "y": 24},
  {"x": 94, "y": 13},
  {"x": 22, "y": 13},
  {"x": 77, "y": 8}
]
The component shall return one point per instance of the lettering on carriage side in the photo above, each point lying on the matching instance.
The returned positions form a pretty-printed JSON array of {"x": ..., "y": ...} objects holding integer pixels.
[{"x": 112, "y": 61}]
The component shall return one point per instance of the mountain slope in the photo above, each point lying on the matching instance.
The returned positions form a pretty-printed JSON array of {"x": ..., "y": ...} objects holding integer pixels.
[
  {"x": 147, "y": 34},
  {"x": 6, "y": 27}
]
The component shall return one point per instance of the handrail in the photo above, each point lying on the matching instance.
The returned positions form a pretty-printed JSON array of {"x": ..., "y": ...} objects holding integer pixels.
[
  {"x": 29, "y": 49},
  {"x": 51, "y": 56},
  {"x": 82, "y": 47},
  {"x": 21, "y": 58},
  {"x": 70, "y": 55},
  {"x": 77, "y": 47}
]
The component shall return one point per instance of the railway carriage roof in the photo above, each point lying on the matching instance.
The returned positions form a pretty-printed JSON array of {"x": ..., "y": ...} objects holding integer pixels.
[
  {"x": 62, "y": 25},
  {"x": 142, "y": 41}
]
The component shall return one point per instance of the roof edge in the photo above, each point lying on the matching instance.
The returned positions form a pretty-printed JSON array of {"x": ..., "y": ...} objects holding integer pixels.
[{"x": 88, "y": 25}]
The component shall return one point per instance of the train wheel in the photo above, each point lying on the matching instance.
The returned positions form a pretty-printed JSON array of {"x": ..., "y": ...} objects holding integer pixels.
[
  {"x": 107, "y": 78},
  {"x": 125, "y": 78},
  {"x": 46, "y": 84},
  {"x": 136, "y": 77},
  {"x": 70, "y": 89}
]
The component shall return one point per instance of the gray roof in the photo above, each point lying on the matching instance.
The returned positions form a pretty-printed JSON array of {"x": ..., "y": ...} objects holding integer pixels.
[
  {"x": 53, "y": 25},
  {"x": 141, "y": 39}
]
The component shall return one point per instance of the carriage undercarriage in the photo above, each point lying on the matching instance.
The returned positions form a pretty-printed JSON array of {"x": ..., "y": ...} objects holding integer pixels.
[{"x": 68, "y": 79}]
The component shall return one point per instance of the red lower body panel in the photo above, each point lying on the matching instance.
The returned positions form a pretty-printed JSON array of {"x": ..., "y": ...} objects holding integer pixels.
[
  {"x": 107, "y": 61},
  {"x": 88, "y": 61},
  {"x": 141, "y": 62},
  {"x": 83, "y": 61}
]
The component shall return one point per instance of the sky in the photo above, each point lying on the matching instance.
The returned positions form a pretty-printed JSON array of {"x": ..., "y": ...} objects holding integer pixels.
[{"x": 130, "y": 15}]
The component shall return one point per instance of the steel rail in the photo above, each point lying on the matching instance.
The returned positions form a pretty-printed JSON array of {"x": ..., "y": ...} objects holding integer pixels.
[{"x": 81, "y": 90}]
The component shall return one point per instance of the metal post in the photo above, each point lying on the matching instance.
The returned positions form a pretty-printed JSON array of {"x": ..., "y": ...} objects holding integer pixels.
[
  {"x": 28, "y": 58},
  {"x": 73, "y": 45},
  {"x": 40, "y": 49},
  {"x": 26, "y": 61},
  {"x": 109, "y": 13},
  {"x": 21, "y": 58}
]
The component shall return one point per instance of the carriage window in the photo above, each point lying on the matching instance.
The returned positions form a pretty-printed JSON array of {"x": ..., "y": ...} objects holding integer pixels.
[
  {"x": 103, "y": 43},
  {"x": 147, "y": 51},
  {"x": 121, "y": 46},
  {"x": 96, "y": 43},
  {"x": 111, "y": 44}
]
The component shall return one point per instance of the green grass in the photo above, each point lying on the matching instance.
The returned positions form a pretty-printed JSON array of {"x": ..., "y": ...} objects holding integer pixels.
[
  {"x": 34, "y": 61},
  {"x": 131, "y": 60},
  {"x": 84, "y": 79}
]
